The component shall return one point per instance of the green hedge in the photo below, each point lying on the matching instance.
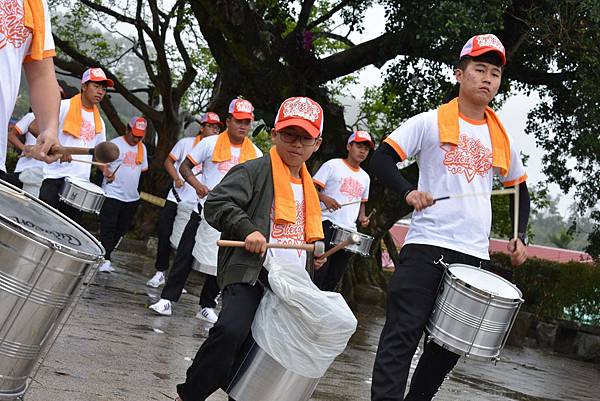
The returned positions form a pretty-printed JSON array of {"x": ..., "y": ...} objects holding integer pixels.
[{"x": 557, "y": 290}]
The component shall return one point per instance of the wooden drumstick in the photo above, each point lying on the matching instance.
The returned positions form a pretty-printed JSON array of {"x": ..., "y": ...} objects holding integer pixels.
[
  {"x": 105, "y": 152},
  {"x": 371, "y": 214},
  {"x": 153, "y": 199},
  {"x": 353, "y": 239},
  {"x": 318, "y": 247},
  {"x": 347, "y": 204},
  {"x": 89, "y": 162},
  {"x": 114, "y": 172}
]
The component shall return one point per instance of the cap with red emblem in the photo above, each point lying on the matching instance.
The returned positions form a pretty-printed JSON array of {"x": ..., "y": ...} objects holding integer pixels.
[
  {"x": 480, "y": 44},
  {"x": 302, "y": 112}
]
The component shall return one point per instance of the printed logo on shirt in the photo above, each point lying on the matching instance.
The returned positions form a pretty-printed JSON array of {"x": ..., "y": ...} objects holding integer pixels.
[
  {"x": 12, "y": 29},
  {"x": 351, "y": 188},
  {"x": 87, "y": 132},
  {"x": 470, "y": 158},
  {"x": 129, "y": 159},
  {"x": 225, "y": 166},
  {"x": 290, "y": 233}
]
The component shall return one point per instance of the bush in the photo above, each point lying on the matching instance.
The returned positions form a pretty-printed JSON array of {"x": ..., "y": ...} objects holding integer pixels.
[{"x": 557, "y": 290}]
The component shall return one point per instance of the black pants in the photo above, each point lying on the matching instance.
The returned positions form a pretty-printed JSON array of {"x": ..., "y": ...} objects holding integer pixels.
[
  {"x": 165, "y": 228},
  {"x": 115, "y": 220},
  {"x": 218, "y": 356},
  {"x": 330, "y": 274},
  {"x": 182, "y": 267},
  {"x": 11, "y": 178},
  {"x": 49, "y": 193},
  {"x": 411, "y": 295}
]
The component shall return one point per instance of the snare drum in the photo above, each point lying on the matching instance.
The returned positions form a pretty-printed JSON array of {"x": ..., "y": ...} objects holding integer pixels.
[
  {"x": 82, "y": 195},
  {"x": 341, "y": 234},
  {"x": 45, "y": 259},
  {"x": 474, "y": 312}
]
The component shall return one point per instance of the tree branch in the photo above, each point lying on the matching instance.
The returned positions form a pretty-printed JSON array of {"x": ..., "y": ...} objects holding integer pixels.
[
  {"x": 334, "y": 36},
  {"x": 327, "y": 15},
  {"x": 190, "y": 71},
  {"x": 307, "y": 6}
]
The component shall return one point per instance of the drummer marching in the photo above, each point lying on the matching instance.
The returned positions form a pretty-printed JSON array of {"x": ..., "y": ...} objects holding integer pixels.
[
  {"x": 460, "y": 147},
  {"x": 180, "y": 191},
  {"x": 80, "y": 124},
  {"x": 272, "y": 198},
  {"x": 217, "y": 155},
  {"x": 120, "y": 185},
  {"x": 344, "y": 190}
]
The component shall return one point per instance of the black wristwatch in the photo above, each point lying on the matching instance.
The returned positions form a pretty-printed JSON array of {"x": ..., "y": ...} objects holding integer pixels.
[{"x": 524, "y": 238}]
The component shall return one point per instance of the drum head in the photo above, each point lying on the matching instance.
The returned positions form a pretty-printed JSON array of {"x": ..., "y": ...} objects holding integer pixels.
[
  {"x": 485, "y": 281},
  {"x": 33, "y": 218},
  {"x": 88, "y": 186}
]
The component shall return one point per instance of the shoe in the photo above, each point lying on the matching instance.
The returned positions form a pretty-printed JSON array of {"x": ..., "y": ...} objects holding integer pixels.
[
  {"x": 106, "y": 267},
  {"x": 207, "y": 314},
  {"x": 184, "y": 291},
  {"x": 157, "y": 280},
  {"x": 162, "y": 307}
]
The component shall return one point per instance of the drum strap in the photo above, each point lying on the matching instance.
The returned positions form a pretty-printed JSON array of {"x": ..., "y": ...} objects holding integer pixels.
[{"x": 175, "y": 194}]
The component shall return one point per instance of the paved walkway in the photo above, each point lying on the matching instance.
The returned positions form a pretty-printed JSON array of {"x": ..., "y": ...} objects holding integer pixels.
[{"x": 114, "y": 348}]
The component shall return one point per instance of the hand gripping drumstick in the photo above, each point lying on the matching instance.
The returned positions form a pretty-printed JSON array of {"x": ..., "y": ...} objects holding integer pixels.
[
  {"x": 317, "y": 248},
  {"x": 346, "y": 204},
  {"x": 105, "y": 152},
  {"x": 352, "y": 240}
]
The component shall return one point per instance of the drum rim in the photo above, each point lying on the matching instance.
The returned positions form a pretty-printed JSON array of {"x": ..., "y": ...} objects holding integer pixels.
[
  {"x": 472, "y": 287},
  {"x": 456, "y": 350},
  {"x": 75, "y": 180},
  {"x": 10, "y": 224}
]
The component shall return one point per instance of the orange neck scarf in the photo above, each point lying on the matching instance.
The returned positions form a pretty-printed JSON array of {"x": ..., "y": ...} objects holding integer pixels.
[
  {"x": 35, "y": 20},
  {"x": 140, "y": 153},
  {"x": 285, "y": 206},
  {"x": 449, "y": 132},
  {"x": 197, "y": 140},
  {"x": 222, "y": 150},
  {"x": 74, "y": 119}
]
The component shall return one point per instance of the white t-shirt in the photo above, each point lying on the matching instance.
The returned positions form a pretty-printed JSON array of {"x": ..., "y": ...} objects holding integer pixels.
[
  {"x": 178, "y": 154},
  {"x": 125, "y": 185},
  {"x": 345, "y": 184},
  {"x": 15, "y": 46},
  {"x": 87, "y": 139},
  {"x": 460, "y": 224},
  {"x": 22, "y": 127},
  {"x": 290, "y": 233},
  {"x": 213, "y": 173}
]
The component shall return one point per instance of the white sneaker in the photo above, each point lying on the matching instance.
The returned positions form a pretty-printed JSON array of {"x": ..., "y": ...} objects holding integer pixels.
[
  {"x": 106, "y": 267},
  {"x": 162, "y": 307},
  {"x": 184, "y": 291},
  {"x": 207, "y": 314},
  {"x": 157, "y": 280}
]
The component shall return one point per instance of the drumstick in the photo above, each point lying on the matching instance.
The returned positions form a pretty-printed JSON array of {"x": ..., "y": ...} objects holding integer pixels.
[
  {"x": 346, "y": 204},
  {"x": 305, "y": 247},
  {"x": 351, "y": 240},
  {"x": 153, "y": 199},
  {"x": 104, "y": 152},
  {"x": 371, "y": 214},
  {"x": 89, "y": 162},
  {"x": 507, "y": 191},
  {"x": 113, "y": 173}
]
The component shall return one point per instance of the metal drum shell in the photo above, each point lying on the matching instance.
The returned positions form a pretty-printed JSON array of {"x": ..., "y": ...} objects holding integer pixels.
[
  {"x": 470, "y": 321},
  {"x": 39, "y": 279},
  {"x": 362, "y": 248},
  {"x": 80, "y": 198},
  {"x": 261, "y": 378}
]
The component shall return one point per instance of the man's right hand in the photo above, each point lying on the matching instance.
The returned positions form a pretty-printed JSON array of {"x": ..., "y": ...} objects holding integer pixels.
[
  {"x": 179, "y": 183},
  {"x": 330, "y": 203},
  {"x": 419, "y": 200},
  {"x": 256, "y": 243},
  {"x": 202, "y": 190}
]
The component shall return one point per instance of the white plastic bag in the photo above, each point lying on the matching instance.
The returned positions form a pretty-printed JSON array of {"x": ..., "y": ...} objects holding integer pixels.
[
  {"x": 298, "y": 325},
  {"x": 205, "y": 249},
  {"x": 184, "y": 211},
  {"x": 32, "y": 180}
]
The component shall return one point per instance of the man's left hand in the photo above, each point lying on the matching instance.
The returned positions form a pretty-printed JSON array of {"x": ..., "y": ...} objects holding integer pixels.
[
  {"x": 44, "y": 143},
  {"x": 517, "y": 251}
]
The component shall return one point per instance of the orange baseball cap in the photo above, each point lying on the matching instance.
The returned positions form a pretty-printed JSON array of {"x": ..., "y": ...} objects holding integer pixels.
[
  {"x": 361, "y": 136},
  {"x": 210, "y": 118},
  {"x": 241, "y": 109},
  {"x": 96, "y": 75},
  {"x": 301, "y": 112},
  {"x": 138, "y": 126},
  {"x": 480, "y": 44}
]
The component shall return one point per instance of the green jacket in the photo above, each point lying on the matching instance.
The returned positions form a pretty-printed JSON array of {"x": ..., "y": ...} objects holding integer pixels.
[{"x": 238, "y": 206}]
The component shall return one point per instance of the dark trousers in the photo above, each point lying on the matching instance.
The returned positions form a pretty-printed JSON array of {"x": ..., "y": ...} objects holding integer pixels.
[
  {"x": 115, "y": 220},
  {"x": 182, "y": 267},
  {"x": 218, "y": 356},
  {"x": 411, "y": 295},
  {"x": 330, "y": 274},
  {"x": 165, "y": 228},
  {"x": 49, "y": 193},
  {"x": 11, "y": 178}
]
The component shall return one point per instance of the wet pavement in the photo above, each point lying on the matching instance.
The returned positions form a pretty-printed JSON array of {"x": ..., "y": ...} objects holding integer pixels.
[{"x": 114, "y": 348}]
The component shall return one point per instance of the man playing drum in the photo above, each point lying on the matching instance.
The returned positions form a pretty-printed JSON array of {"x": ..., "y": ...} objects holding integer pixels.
[
  {"x": 81, "y": 125},
  {"x": 217, "y": 155},
  {"x": 272, "y": 198},
  {"x": 342, "y": 182},
  {"x": 120, "y": 185},
  {"x": 180, "y": 191},
  {"x": 27, "y": 44},
  {"x": 459, "y": 147}
]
